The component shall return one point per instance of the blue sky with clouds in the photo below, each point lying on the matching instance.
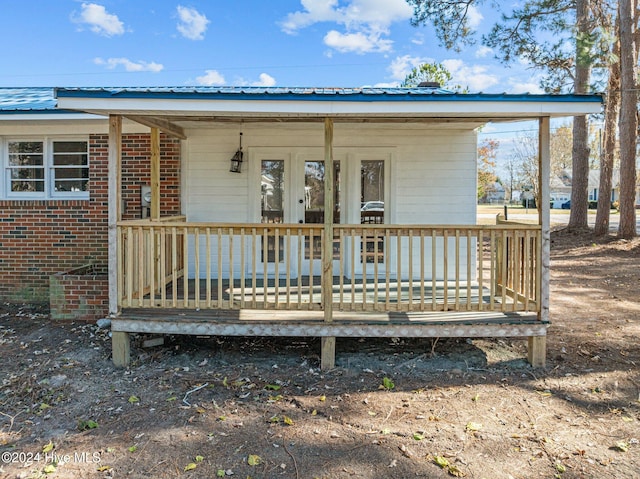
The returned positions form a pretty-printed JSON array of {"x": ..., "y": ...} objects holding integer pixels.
[{"x": 340, "y": 43}]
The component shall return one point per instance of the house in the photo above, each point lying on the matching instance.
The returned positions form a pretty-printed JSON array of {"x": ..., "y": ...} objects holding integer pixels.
[
  {"x": 495, "y": 194},
  {"x": 249, "y": 233},
  {"x": 560, "y": 187}
]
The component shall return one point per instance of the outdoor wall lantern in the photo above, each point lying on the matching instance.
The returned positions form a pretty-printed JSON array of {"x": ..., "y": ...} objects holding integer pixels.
[{"x": 236, "y": 161}]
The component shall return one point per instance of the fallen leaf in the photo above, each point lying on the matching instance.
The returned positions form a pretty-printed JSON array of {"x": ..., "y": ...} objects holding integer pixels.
[
  {"x": 133, "y": 449},
  {"x": 220, "y": 473},
  {"x": 89, "y": 424},
  {"x": 273, "y": 387},
  {"x": 454, "y": 471},
  {"x": 288, "y": 421},
  {"x": 133, "y": 399},
  {"x": 560, "y": 468},
  {"x": 48, "y": 447},
  {"x": 417, "y": 436},
  {"x": 473, "y": 426},
  {"x": 622, "y": 446},
  {"x": 254, "y": 460},
  {"x": 441, "y": 461},
  {"x": 49, "y": 469},
  {"x": 387, "y": 384},
  {"x": 199, "y": 458},
  {"x": 323, "y": 398},
  {"x": 103, "y": 468},
  {"x": 190, "y": 467},
  {"x": 476, "y": 397}
]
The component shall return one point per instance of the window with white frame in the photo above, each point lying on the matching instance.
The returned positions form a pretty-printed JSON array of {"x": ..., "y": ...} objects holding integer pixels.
[{"x": 52, "y": 168}]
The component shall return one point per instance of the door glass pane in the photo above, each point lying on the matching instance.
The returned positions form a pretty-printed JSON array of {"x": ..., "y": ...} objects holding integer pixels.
[
  {"x": 272, "y": 191},
  {"x": 372, "y": 191},
  {"x": 272, "y": 206},
  {"x": 372, "y": 207},
  {"x": 314, "y": 202}
]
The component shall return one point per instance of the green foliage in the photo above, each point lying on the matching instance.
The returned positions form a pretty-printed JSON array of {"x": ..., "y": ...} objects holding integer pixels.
[
  {"x": 449, "y": 19},
  {"x": 542, "y": 33},
  {"x": 427, "y": 72}
]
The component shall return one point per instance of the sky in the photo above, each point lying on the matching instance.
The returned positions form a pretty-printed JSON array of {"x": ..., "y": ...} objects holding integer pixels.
[
  {"x": 288, "y": 43},
  {"x": 310, "y": 43}
]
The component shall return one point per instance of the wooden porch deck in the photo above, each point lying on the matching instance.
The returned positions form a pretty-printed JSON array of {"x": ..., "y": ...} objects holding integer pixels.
[
  {"x": 457, "y": 281},
  {"x": 347, "y": 295}
]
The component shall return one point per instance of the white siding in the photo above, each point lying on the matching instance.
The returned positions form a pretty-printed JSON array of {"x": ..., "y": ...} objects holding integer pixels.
[{"x": 431, "y": 171}]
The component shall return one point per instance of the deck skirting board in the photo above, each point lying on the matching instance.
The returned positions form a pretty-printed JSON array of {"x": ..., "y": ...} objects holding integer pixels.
[{"x": 320, "y": 329}]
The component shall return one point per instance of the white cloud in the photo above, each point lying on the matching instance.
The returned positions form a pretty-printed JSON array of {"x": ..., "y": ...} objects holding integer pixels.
[
  {"x": 483, "y": 52},
  {"x": 402, "y": 66},
  {"x": 99, "y": 20},
  {"x": 475, "y": 77},
  {"x": 525, "y": 87},
  {"x": 365, "y": 22},
  {"x": 192, "y": 24},
  {"x": 130, "y": 66},
  {"x": 358, "y": 42},
  {"x": 474, "y": 17},
  {"x": 211, "y": 77},
  {"x": 265, "y": 80}
]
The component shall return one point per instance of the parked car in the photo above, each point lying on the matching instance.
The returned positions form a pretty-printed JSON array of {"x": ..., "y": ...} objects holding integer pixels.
[
  {"x": 373, "y": 206},
  {"x": 566, "y": 205}
]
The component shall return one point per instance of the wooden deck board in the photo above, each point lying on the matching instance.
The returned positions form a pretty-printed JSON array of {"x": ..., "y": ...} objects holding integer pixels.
[{"x": 469, "y": 293}]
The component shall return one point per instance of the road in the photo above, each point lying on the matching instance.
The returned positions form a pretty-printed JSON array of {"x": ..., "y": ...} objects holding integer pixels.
[{"x": 558, "y": 217}]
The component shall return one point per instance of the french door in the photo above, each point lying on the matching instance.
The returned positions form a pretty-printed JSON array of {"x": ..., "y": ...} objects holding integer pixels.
[{"x": 289, "y": 185}]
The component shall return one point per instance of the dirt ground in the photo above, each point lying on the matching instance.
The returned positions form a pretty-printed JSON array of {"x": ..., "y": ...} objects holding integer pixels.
[{"x": 261, "y": 408}]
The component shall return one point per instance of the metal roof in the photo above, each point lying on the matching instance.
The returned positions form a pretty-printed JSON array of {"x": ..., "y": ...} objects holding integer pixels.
[
  {"x": 368, "y": 94},
  {"x": 268, "y": 102},
  {"x": 24, "y": 100}
]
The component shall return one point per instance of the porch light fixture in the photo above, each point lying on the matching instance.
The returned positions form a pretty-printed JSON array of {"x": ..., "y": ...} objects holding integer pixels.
[{"x": 236, "y": 161}]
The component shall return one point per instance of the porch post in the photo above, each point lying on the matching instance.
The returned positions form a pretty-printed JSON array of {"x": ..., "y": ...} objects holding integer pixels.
[
  {"x": 119, "y": 340},
  {"x": 537, "y": 344},
  {"x": 155, "y": 174},
  {"x": 328, "y": 354}
]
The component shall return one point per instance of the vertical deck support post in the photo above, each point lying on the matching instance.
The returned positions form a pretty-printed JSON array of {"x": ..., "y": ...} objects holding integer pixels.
[
  {"x": 119, "y": 341},
  {"x": 328, "y": 354},
  {"x": 537, "y": 344},
  {"x": 155, "y": 174}
]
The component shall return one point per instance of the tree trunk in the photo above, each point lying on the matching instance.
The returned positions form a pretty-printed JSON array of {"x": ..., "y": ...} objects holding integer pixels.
[
  {"x": 628, "y": 119},
  {"x": 580, "y": 161},
  {"x": 609, "y": 141}
]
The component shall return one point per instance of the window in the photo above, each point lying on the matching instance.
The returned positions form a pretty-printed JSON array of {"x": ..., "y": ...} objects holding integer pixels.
[
  {"x": 26, "y": 166},
  {"x": 47, "y": 169},
  {"x": 70, "y": 166}
]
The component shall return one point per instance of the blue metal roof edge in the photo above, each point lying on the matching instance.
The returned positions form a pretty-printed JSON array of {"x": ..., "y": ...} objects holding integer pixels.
[
  {"x": 50, "y": 111},
  {"x": 314, "y": 94}
]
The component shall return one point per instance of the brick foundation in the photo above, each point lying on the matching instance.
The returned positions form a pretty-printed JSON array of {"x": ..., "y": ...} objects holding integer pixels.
[{"x": 80, "y": 294}]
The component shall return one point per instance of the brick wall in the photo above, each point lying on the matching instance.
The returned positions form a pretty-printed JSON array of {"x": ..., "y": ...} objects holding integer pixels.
[
  {"x": 43, "y": 237},
  {"x": 80, "y": 294}
]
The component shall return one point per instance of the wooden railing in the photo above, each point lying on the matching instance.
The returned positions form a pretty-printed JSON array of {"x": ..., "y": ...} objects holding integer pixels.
[{"x": 174, "y": 264}]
